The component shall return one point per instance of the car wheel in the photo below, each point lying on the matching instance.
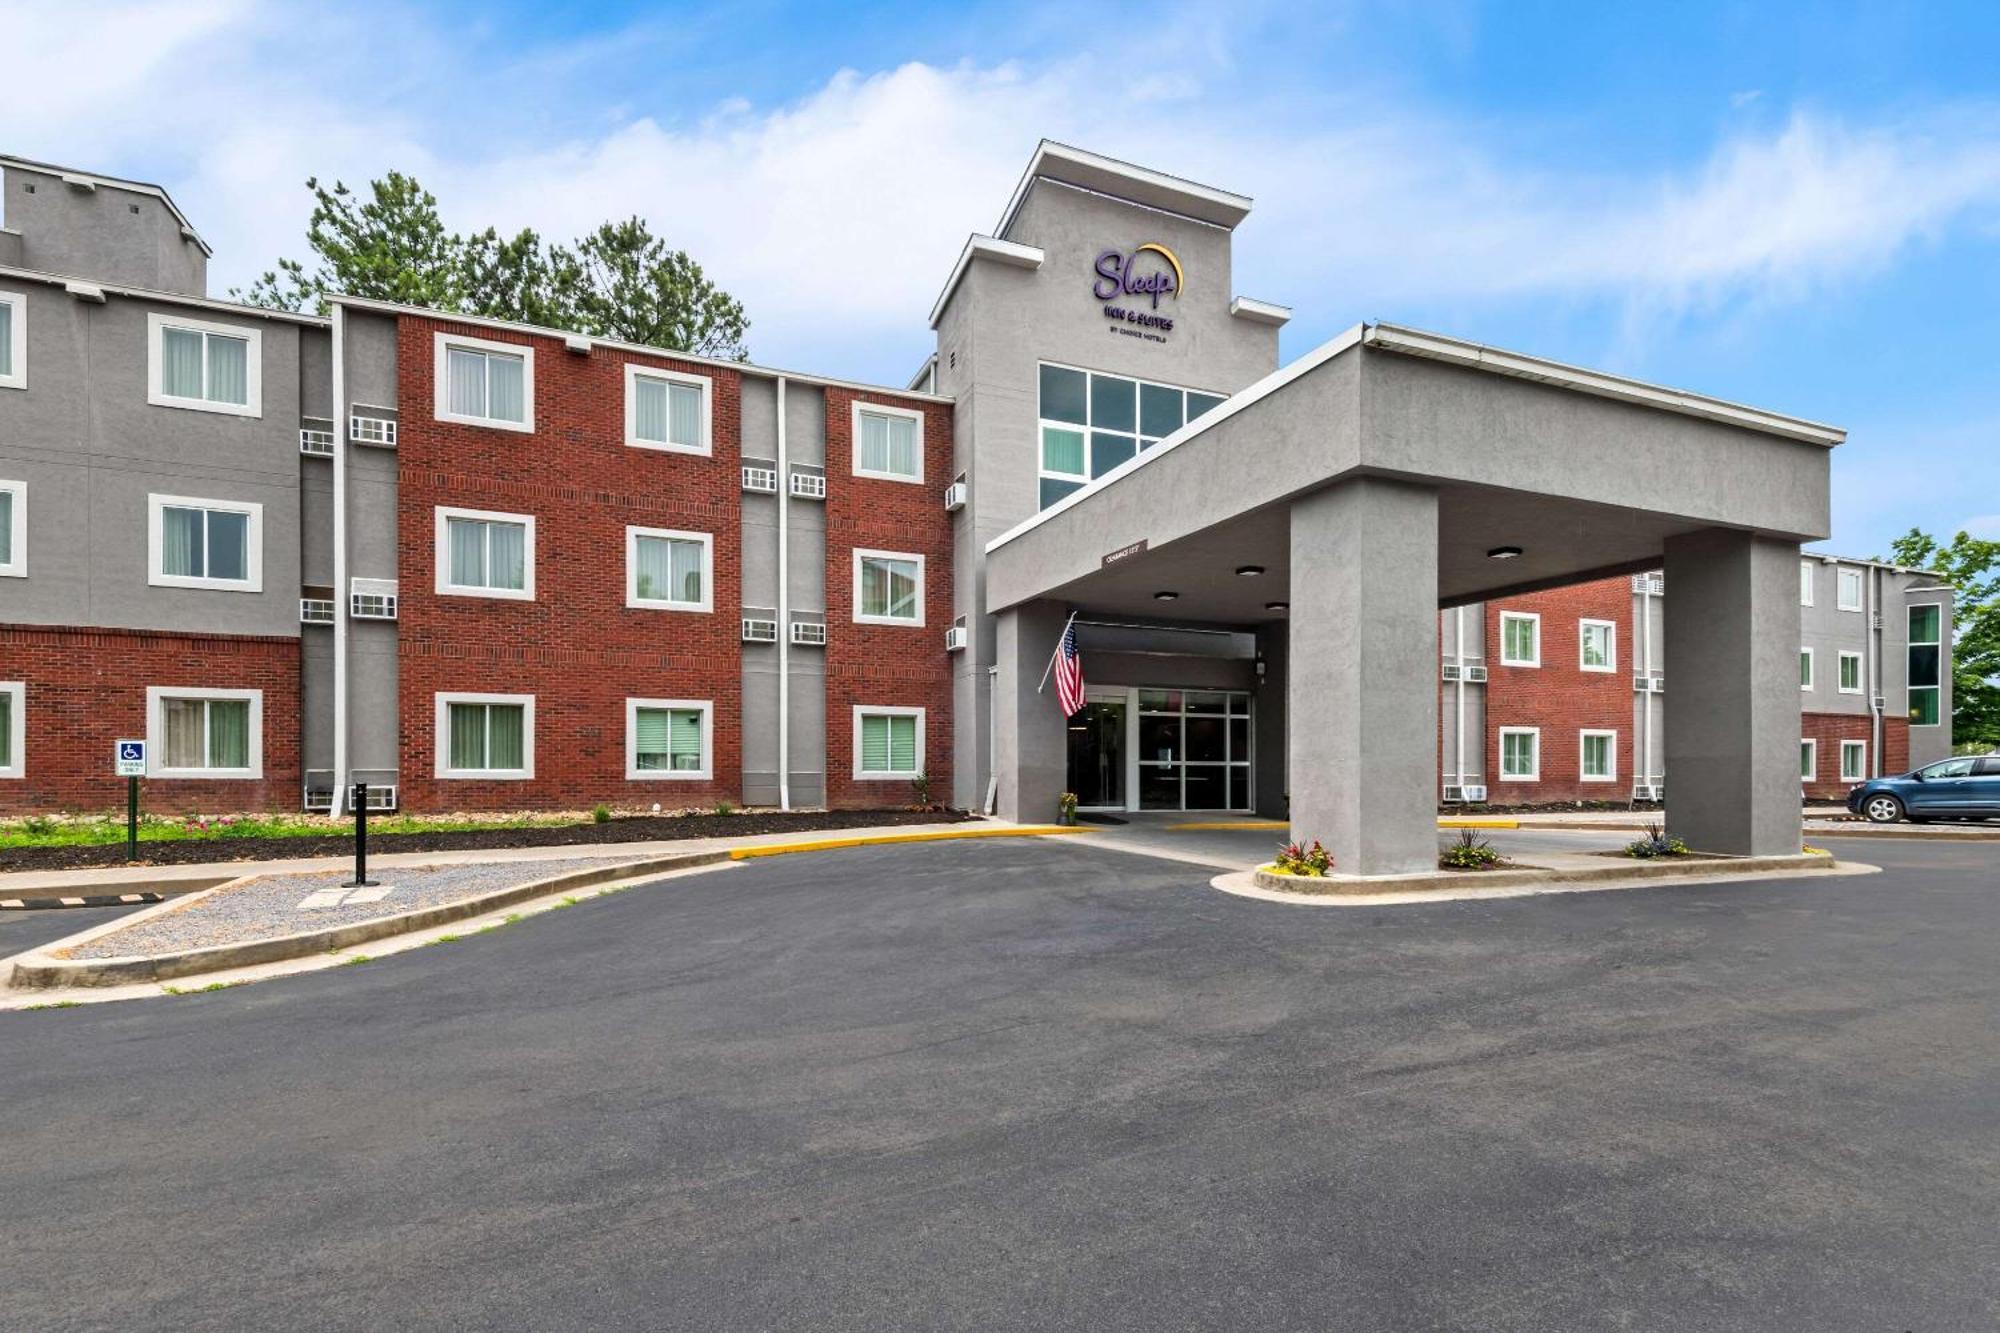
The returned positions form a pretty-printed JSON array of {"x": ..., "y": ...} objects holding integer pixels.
[{"x": 1882, "y": 809}]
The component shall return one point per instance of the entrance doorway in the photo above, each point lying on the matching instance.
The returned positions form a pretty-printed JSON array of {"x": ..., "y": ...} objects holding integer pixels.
[
  {"x": 1097, "y": 755},
  {"x": 1134, "y": 748}
]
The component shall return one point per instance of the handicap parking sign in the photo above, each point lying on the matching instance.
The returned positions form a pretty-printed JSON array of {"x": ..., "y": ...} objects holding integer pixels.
[{"x": 131, "y": 759}]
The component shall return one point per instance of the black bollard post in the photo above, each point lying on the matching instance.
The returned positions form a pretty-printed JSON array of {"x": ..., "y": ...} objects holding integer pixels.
[
  {"x": 359, "y": 795},
  {"x": 131, "y": 819}
]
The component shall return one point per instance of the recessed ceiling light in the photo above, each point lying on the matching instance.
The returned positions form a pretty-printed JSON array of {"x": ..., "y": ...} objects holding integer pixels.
[
  {"x": 1503, "y": 553},
  {"x": 1277, "y": 606},
  {"x": 1249, "y": 571},
  {"x": 1165, "y": 596}
]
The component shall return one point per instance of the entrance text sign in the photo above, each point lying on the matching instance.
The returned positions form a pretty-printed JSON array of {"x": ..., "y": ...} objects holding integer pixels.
[{"x": 1123, "y": 553}]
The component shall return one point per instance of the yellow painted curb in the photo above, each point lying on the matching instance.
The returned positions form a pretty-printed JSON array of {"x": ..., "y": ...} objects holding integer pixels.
[
  {"x": 1264, "y": 824},
  {"x": 878, "y": 839},
  {"x": 1479, "y": 823}
]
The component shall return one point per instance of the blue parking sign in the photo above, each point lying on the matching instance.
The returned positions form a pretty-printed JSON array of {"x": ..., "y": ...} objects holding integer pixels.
[{"x": 131, "y": 759}]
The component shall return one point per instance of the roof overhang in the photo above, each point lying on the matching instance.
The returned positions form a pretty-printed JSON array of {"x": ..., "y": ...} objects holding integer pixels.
[
  {"x": 1011, "y": 253},
  {"x": 1123, "y": 180}
]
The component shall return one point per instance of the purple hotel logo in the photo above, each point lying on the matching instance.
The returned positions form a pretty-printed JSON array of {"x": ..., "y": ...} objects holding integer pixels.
[{"x": 1131, "y": 275}]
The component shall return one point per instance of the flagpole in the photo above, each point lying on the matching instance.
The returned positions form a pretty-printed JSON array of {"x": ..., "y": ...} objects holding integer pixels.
[{"x": 1052, "y": 655}]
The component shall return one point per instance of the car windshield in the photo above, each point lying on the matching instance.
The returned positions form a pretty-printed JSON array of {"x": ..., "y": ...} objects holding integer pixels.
[{"x": 1950, "y": 768}]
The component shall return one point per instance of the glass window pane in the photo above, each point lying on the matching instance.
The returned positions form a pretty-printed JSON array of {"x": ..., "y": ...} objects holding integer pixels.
[
  {"x": 1239, "y": 738},
  {"x": 6, "y": 725},
  {"x": 903, "y": 446},
  {"x": 504, "y": 391},
  {"x": 229, "y": 733},
  {"x": 652, "y": 739},
  {"x": 654, "y": 575},
  {"x": 1108, "y": 451},
  {"x": 228, "y": 369},
  {"x": 228, "y": 545},
  {"x": 1199, "y": 403},
  {"x": 180, "y": 363},
  {"x": 686, "y": 740},
  {"x": 1160, "y": 410},
  {"x": 1159, "y": 701},
  {"x": 1808, "y": 760},
  {"x": 888, "y": 588},
  {"x": 1805, "y": 668},
  {"x": 465, "y": 542},
  {"x": 6, "y": 337},
  {"x": 467, "y": 742},
  {"x": 903, "y": 744},
  {"x": 649, "y": 410},
  {"x": 1159, "y": 738},
  {"x": 684, "y": 425},
  {"x": 507, "y": 555},
  {"x": 1924, "y": 707},
  {"x": 1063, "y": 395},
  {"x": 1114, "y": 403},
  {"x": 1159, "y": 787},
  {"x": 1207, "y": 739},
  {"x": 1207, "y": 701},
  {"x": 1924, "y": 666},
  {"x": 1062, "y": 450},
  {"x": 874, "y": 744},
  {"x": 686, "y": 582},
  {"x": 187, "y": 734},
  {"x": 505, "y": 732},
  {"x": 1924, "y": 623},
  {"x": 466, "y": 371},
  {"x": 6, "y": 522},
  {"x": 1239, "y": 787},
  {"x": 874, "y": 443},
  {"x": 1207, "y": 787},
  {"x": 183, "y": 551},
  {"x": 1054, "y": 489}
]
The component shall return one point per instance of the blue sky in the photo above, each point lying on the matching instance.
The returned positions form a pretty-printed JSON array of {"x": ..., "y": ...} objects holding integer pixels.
[{"x": 1796, "y": 208}]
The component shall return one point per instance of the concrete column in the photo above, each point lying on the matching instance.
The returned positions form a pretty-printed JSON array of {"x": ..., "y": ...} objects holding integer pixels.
[
  {"x": 1732, "y": 714},
  {"x": 1029, "y": 735},
  {"x": 1361, "y": 737}
]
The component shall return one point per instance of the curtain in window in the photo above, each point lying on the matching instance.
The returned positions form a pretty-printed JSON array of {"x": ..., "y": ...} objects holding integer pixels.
[
  {"x": 7, "y": 729},
  {"x": 228, "y": 370},
  {"x": 6, "y": 508},
  {"x": 1062, "y": 451},
  {"x": 467, "y": 742},
  {"x": 685, "y": 427},
  {"x": 655, "y": 573},
  {"x": 686, "y": 741},
  {"x": 181, "y": 544},
  {"x": 896, "y": 590},
  {"x": 686, "y": 583},
  {"x": 874, "y": 442},
  {"x": 6, "y": 337},
  {"x": 228, "y": 545},
  {"x": 888, "y": 744},
  {"x": 505, "y": 729},
  {"x": 652, "y": 739},
  {"x": 875, "y": 744},
  {"x": 902, "y": 446},
  {"x": 466, "y": 374},
  {"x": 507, "y": 552},
  {"x": 180, "y": 363},
  {"x": 229, "y": 733},
  {"x": 187, "y": 740},
  {"x": 465, "y": 541},
  {"x": 649, "y": 410},
  {"x": 903, "y": 744},
  {"x": 504, "y": 402}
]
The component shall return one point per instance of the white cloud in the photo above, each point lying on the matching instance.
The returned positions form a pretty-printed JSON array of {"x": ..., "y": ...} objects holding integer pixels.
[{"x": 1986, "y": 526}]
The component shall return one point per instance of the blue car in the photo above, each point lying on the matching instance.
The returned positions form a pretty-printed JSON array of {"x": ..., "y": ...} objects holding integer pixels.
[{"x": 1964, "y": 788}]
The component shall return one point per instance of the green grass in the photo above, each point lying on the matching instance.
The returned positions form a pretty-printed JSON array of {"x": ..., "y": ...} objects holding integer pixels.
[
  {"x": 59, "y": 1004},
  {"x": 99, "y": 830}
]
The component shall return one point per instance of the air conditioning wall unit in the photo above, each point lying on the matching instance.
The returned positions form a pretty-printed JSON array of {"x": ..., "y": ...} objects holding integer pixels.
[
  {"x": 954, "y": 497},
  {"x": 808, "y": 486},
  {"x": 1881, "y": 702},
  {"x": 1659, "y": 685},
  {"x": 372, "y": 599},
  {"x": 1454, "y": 793},
  {"x": 381, "y": 798},
  {"x": 1474, "y": 793},
  {"x": 315, "y": 610},
  {"x": 378, "y": 431},
  {"x": 809, "y": 633},
  {"x": 1475, "y": 674},
  {"x": 318, "y": 793},
  {"x": 761, "y": 479},
  {"x": 955, "y": 639},
  {"x": 1451, "y": 671},
  {"x": 318, "y": 443},
  {"x": 759, "y": 631}
]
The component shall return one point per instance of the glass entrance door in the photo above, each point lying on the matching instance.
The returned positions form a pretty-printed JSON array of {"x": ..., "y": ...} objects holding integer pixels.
[{"x": 1097, "y": 755}]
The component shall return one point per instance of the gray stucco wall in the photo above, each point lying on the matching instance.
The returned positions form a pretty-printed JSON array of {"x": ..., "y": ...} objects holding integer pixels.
[{"x": 124, "y": 237}]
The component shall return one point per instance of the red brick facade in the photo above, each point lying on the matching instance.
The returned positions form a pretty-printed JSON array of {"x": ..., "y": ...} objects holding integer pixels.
[
  {"x": 1828, "y": 730},
  {"x": 1559, "y": 697},
  {"x": 86, "y": 689},
  {"x": 575, "y": 646},
  {"x": 889, "y": 665}
]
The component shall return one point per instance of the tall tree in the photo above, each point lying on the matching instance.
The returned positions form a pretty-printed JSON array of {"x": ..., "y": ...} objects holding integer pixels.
[
  {"x": 1971, "y": 565},
  {"x": 620, "y": 281}
]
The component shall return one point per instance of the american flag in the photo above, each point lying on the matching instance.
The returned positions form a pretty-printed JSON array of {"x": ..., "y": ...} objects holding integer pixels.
[{"x": 1069, "y": 673}]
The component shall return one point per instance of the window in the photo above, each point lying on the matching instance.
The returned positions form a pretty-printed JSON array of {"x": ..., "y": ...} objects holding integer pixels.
[
  {"x": 486, "y": 736},
  {"x": 1598, "y": 760},
  {"x": 888, "y": 588},
  {"x": 667, "y": 738},
  {"x": 1950, "y": 768},
  {"x": 13, "y": 529},
  {"x": 888, "y": 742},
  {"x": 1520, "y": 639},
  {"x": 1926, "y": 681},
  {"x": 1850, "y": 673},
  {"x": 13, "y": 340},
  {"x": 13, "y": 728},
  {"x": 1521, "y": 754},
  {"x": 666, "y": 409},
  {"x": 888, "y": 442},
  {"x": 482, "y": 554},
  {"x": 1805, "y": 583},
  {"x": 215, "y": 544},
  {"x": 1805, "y": 668},
  {"x": 208, "y": 367},
  {"x": 667, "y": 570},
  {"x": 1809, "y": 761},
  {"x": 1091, "y": 423},
  {"x": 1847, "y": 589},
  {"x": 1195, "y": 749},
  {"x": 1853, "y": 761},
  {"x": 196, "y": 733},
  {"x": 1598, "y": 641},
  {"x": 482, "y": 383}
]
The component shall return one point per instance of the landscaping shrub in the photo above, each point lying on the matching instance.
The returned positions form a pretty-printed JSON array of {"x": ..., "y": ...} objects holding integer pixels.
[
  {"x": 601, "y": 815},
  {"x": 1656, "y": 843},
  {"x": 1469, "y": 853},
  {"x": 1309, "y": 859}
]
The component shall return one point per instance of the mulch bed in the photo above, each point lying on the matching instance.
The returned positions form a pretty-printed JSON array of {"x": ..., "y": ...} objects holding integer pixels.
[{"x": 643, "y": 828}]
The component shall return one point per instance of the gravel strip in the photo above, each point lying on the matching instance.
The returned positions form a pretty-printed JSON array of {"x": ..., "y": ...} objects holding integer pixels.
[{"x": 268, "y": 906}]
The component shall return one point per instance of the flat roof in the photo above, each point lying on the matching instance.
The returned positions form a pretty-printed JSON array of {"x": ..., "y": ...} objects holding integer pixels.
[
  {"x": 73, "y": 281},
  {"x": 94, "y": 178}
]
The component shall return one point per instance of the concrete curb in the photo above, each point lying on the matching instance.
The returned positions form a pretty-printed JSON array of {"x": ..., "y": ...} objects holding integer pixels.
[
  {"x": 42, "y": 969},
  {"x": 885, "y": 839},
  {"x": 1451, "y": 882},
  {"x": 79, "y": 900}
]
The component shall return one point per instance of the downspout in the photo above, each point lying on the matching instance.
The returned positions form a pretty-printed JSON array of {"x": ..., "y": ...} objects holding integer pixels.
[
  {"x": 340, "y": 597},
  {"x": 1873, "y": 668},
  {"x": 784, "y": 610},
  {"x": 1646, "y": 665},
  {"x": 1458, "y": 647}
]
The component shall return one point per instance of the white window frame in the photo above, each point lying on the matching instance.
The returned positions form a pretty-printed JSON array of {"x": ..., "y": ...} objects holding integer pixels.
[
  {"x": 1809, "y": 675},
  {"x": 632, "y": 597},
  {"x": 633, "y": 773},
  {"x": 1582, "y": 739},
  {"x": 1860, "y": 673},
  {"x": 441, "y": 381},
  {"x": 1808, "y": 746},
  {"x": 634, "y": 372},
  {"x": 156, "y": 574},
  {"x": 253, "y": 367},
  {"x": 1860, "y": 773},
  {"x": 1501, "y": 758},
  {"x": 1141, "y": 442},
  {"x": 1841, "y": 574},
  {"x": 156, "y": 732},
  {"x": 887, "y": 710},
  {"x": 1806, "y": 582},
  {"x": 860, "y": 409},
  {"x": 17, "y": 342},
  {"x": 441, "y": 737},
  {"x": 17, "y": 568},
  {"x": 16, "y": 765},
  {"x": 1610, "y": 627},
  {"x": 906, "y": 622},
  {"x": 1944, "y": 665},
  {"x": 1534, "y": 618},
  {"x": 441, "y": 554}
]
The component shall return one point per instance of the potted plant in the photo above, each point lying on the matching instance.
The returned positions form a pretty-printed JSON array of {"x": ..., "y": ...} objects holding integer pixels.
[{"x": 1066, "y": 809}]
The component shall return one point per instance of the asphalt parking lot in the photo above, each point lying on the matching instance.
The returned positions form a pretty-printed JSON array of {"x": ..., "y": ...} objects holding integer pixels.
[{"x": 1034, "y": 1085}]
